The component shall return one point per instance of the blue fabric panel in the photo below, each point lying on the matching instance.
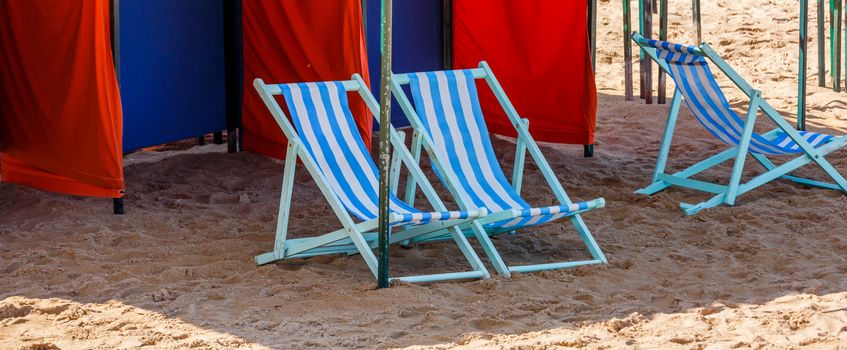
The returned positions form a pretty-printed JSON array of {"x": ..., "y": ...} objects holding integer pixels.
[
  {"x": 417, "y": 41},
  {"x": 172, "y": 74}
]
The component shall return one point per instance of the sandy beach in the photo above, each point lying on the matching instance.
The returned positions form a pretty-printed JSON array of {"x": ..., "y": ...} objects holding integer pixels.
[{"x": 177, "y": 271}]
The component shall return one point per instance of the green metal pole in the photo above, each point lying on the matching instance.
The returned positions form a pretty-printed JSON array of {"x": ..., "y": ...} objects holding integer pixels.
[
  {"x": 384, "y": 142},
  {"x": 641, "y": 53},
  {"x": 831, "y": 42},
  {"x": 836, "y": 62},
  {"x": 592, "y": 31},
  {"x": 695, "y": 14},
  {"x": 801, "y": 84},
  {"x": 647, "y": 72},
  {"x": 663, "y": 35},
  {"x": 821, "y": 45},
  {"x": 627, "y": 50}
]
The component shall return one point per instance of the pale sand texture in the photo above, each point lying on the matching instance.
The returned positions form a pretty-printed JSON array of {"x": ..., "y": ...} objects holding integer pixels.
[{"x": 176, "y": 271}]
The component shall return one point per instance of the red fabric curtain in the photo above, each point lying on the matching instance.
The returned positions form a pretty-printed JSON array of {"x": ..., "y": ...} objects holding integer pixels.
[
  {"x": 60, "y": 110},
  {"x": 538, "y": 50},
  {"x": 298, "y": 41}
]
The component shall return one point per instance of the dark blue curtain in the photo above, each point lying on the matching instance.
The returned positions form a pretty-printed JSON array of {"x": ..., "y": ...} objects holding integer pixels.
[
  {"x": 172, "y": 70},
  {"x": 417, "y": 42}
]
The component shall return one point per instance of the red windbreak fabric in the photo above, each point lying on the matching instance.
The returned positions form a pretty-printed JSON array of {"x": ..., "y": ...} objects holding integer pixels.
[
  {"x": 538, "y": 50},
  {"x": 60, "y": 112},
  {"x": 298, "y": 41}
]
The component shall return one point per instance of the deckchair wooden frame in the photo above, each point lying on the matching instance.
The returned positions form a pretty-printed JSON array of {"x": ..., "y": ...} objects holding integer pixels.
[
  {"x": 727, "y": 194},
  {"x": 525, "y": 144},
  {"x": 355, "y": 238}
]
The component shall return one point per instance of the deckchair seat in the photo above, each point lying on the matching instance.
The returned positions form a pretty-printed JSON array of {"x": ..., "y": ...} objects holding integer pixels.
[
  {"x": 448, "y": 107},
  {"x": 323, "y": 120},
  {"x": 705, "y": 98}
]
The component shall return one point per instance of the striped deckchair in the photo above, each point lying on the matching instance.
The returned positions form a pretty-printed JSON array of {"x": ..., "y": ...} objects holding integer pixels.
[
  {"x": 325, "y": 138},
  {"x": 696, "y": 85},
  {"x": 448, "y": 123}
]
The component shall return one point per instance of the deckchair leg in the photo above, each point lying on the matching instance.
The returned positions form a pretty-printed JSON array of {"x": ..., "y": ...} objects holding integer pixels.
[
  {"x": 743, "y": 146},
  {"x": 467, "y": 251},
  {"x": 285, "y": 200},
  {"x": 520, "y": 160},
  {"x": 394, "y": 172},
  {"x": 664, "y": 148},
  {"x": 587, "y": 238},
  {"x": 691, "y": 209},
  {"x": 489, "y": 249},
  {"x": 667, "y": 138},
  {"x": 411, "y": 183}
]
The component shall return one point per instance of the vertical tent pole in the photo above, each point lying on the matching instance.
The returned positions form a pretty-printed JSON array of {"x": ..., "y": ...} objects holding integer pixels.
[
  {"x": 592, "y": 32},
  {"x": 115, "y": 38},
  {"x": 641, "y": 52},
  {"x": 663, "y": 35},
  {"x": 821, "y": 45},
  {"x": 384, "y": 142},
  {"x": 801, "y": 84},
  {"x": 447, "y": 34},
  {"x": 836, "y": 41},
  {"x": 831, "y": 43},
  {"x": 627, "y": 51},
  {"x": 695, "y": 12},
  {"x": 233, "y": 72},
  {"x": 648, "y": 64},
  {"x": 588, "y": 149}
]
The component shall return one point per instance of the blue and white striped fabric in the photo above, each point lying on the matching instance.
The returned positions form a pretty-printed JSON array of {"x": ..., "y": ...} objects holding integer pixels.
[
  {"x": 328, "y": 132},
  {"x": 448, "y": 106},
  {"x": 690, "y": 71}
]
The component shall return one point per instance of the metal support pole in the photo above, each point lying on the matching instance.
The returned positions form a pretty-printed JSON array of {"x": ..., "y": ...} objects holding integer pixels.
[
  {"x": 641, "y": 54},
  {"x": 447, "y": 34},
  {"x": 232, "y": 73},
  {"x": 831, "y": 43},
  {"x": 627, "y": 51},
  {"x": 801, "y": 84},
  {"x": 663, "y": 35},
  {"x": 115, "y": 41},
  {"x": 384, "y": 143},
  {"x": 836, "y": 40},
  {"x": 588, "y": 150},
  {"x": 695, "y": 13},
  {"x": 118, "y": 206},
  {"x": 648, "y": 64},
  {"x": 821, "y": 45},
  {"x": 592, "y": 32}
]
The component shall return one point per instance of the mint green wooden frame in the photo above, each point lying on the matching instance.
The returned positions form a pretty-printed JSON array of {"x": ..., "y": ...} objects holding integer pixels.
[
  {"x": 727, "y": 194},
  {"x": 356, "y": 238},
  {"x": 525, "y": 143}
]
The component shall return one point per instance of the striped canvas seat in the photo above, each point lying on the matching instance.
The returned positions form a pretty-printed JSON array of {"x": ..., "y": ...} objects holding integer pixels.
[
  {"x": 327, "y": 130},
  {"x": 448, "y": 106},
  {"x": 707, "y": 102}
]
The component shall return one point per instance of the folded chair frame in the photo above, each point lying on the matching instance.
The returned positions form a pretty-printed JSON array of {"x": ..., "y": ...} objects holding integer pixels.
[
  {"x": 525, "y": 143},
  {"x": 727, "y": 194},
  {"x": 356, "y": 238}
]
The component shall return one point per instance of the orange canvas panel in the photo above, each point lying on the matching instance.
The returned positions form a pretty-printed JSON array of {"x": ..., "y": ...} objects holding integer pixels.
[
  {"x": 60, "y": 111},
  {"x": 288, "y": 41}
]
